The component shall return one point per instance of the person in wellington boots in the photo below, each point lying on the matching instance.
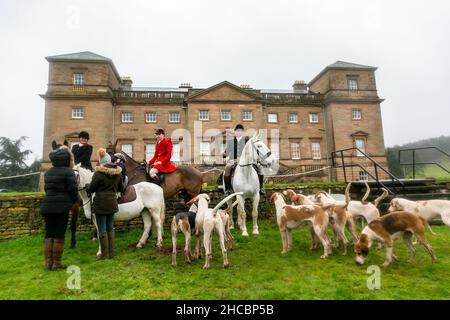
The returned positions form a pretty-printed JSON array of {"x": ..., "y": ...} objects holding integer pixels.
[
  {"x": 106, "y": 183},
  {"x": 61, "y": 192}
]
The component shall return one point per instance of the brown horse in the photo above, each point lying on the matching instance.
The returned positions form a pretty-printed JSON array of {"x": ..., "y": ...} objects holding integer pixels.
[{"x": 186, "y": 181}]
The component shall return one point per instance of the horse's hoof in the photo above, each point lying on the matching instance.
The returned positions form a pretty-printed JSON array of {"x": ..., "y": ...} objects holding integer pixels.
[
  {"x": 226, "y": 266},
  {"x": 323, "y": 256},
  {"x": 231, "y": 227},
  {"x": 139, "y": 245},
  {"x": 205, "y": 267},
  {"x": 245, "y": 234},
  {"x": 255, "y": 232}
]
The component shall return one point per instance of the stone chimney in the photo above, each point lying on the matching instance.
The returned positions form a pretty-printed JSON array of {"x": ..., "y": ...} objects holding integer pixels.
[
  {"x": 185, "y": 85},
  {"x": 300, "y": 86},
  {"x": 127, "y": 82}
]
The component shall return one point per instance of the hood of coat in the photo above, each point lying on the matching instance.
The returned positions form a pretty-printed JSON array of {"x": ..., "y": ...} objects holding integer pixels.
[
  {"x": 109, "y": 168},
  {"x": 61, "y": 157}
]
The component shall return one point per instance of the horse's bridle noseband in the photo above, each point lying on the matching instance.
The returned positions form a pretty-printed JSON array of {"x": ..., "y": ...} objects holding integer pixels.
[{"x": 262, "y": 156}]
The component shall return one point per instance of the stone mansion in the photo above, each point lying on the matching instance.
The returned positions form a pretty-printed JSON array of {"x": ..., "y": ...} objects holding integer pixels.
[{"x": 338, "y": 109}]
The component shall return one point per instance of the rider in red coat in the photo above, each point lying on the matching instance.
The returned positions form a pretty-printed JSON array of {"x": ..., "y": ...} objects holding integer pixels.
[{"x": 163, "y": 153}]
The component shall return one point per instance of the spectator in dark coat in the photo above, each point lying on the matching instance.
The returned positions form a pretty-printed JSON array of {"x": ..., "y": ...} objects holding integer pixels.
[
  {"x": 82, "y": 151},
  {"x": 61, "y": 192},
  {"x": 106, "y": 183}
]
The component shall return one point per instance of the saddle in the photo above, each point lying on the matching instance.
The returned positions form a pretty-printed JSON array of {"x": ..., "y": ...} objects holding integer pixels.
[
  {"x": 128, "y": 196},
  {"x": 233, "y": 169}
]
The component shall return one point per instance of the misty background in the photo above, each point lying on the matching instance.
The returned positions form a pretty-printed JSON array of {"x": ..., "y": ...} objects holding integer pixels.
[{"x": 267, "y": 44}]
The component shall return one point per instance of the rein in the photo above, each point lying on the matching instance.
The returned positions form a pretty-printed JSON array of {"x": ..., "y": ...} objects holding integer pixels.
[{"x": 262, "y": 156}]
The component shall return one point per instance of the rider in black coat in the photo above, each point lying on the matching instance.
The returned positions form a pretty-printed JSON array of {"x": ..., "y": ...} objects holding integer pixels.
[{"x": 82, "y": 152}]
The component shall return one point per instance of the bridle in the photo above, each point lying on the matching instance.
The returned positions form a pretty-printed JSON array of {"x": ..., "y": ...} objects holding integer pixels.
[{"x": 260, "y": 155}]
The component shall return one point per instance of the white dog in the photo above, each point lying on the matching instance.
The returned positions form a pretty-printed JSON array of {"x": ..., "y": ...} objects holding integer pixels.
[
  {"x": 206, "y": 221},
  {"x": 428, "y": 210}
]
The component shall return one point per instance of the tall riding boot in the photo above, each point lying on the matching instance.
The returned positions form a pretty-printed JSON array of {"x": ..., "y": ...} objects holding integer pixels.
[
  {"x": 156, "y": 180},
  {"x": 48, "y": 254},
  {"x": 227, "y": 180},
  {"x": 103, "y": 238},
  {"x": 58, "y": 249},
  {"x": 111, "y": 239},
  {"x": 261, "y": 185}
]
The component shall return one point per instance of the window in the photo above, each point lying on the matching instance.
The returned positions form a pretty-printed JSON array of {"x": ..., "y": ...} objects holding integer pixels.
[
  {"x": 275, "y": 149},
  {"x": 295, "y": 150},
  {"x": 174, "y": 117},
  {"x": 78, "y": 79},
  {"x": 205, "y": 149},
  {"x": 149, "y": 151},
  {"x": 356, "y": 114},
  {"x": 203, "y": 115},
  {"x": 272, "y": 117},
  {"x": 315, "y": 148},
  {"x": 313, "y": 117},
  {"x": 225, "y": 115},
  {"x": 77, "y": 113},
  {"x": 150, "y": 117},
  {"x": 128, "y": 149},
  {"x": 292, "y": 117},
  {"x": 247, "y": 115},
  {"x": 176, "y": 155},
  {"x": 363, "y": 176},
  {"x": 127, "y": 117},
  {"x": 352, "y": 84},
  {"x": 361, "y": 145}
]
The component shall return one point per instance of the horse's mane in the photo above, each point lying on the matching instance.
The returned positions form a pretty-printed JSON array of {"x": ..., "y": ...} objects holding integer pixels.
[{"x": 130, "y": 158}]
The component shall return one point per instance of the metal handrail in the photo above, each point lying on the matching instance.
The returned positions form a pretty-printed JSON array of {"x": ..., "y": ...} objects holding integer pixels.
[
  {"x": 414, "y": 163},
  {"x": 375, "y": 164}
]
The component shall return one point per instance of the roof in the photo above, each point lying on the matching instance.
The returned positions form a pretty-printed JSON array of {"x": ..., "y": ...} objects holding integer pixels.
[
  {"x": 84, "y": 56},
  {"x": 224, "y": 83},
  {"x": 342, "y": 65}
]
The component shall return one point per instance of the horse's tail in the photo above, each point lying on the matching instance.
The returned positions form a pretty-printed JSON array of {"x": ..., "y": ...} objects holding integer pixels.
[
  {"x": 162, "y": 215},
  {"x": 221, "y": 203}
]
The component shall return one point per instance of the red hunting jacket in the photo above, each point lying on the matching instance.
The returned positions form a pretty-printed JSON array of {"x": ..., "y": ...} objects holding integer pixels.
[{"x": 163, "y": 153}]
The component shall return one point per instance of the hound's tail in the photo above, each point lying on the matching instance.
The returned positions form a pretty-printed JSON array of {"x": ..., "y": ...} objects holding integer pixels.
[
  {"x": 367, "y": 192},
  {"x": 425, "y": 223},
  {"x": 162, "y": 215},
  {"x": 347, "y": 193},
  {"x": 221, "y": 203},
  {"x": 381, "y": 197}
]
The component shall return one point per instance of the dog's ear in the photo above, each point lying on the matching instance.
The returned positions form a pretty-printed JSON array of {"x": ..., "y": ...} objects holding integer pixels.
[
  {"x": 54, "y": 145},
  {"x": 66, "y": 143},
  {"x": 272, "y": 197},
  {"x": 192, "y": 201}
]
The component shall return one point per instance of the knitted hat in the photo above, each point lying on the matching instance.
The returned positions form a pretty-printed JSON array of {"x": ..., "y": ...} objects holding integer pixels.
[{"x": 103, "y": 157}]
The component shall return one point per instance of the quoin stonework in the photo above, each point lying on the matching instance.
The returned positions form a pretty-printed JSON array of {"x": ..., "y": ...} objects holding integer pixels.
[{"x": 338, "y": 109}]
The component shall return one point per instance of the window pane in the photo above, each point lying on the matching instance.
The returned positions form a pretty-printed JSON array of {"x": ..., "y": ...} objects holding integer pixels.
[
  {"x": 363, "y": 176},
  {"x": 352, "y": 84},
  {"x": 127, "y": 117},
  {"x": 315, "y": 146},
  {"x": 225, "y": 115},
  {"x": 78, "y": 79},
  {"x": 295, "y": 150},
  {"x": 356, "y": 114},
  {"x": 77, "y": 113},
  {"x": 205, "y": 149},
  {"x": 128, "y": 149},
  {"x": 293, "y": 117},
  {"x": 272, "y": 117},
  {"x": 174, "y": 117},
  {"x": 203, "y": 115},
  {"x": 150, "y": 117},
  {"x": 176, "y": 152},
  {"x": 247, "y": 115},
  {"x": 275, "y": 149},
  {"x": 149, "y": 151},
  {"x": 313, "y": 117},
  {"x": 361, "y": 145}
]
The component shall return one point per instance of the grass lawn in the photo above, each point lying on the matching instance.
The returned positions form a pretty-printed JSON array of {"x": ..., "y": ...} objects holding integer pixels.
[{"x": 258, "y": 271}]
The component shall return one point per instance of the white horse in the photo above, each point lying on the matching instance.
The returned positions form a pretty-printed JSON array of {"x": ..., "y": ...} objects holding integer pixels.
[
  {"x": 245, "y": 180},
  {"x": 149, "y": 196}
]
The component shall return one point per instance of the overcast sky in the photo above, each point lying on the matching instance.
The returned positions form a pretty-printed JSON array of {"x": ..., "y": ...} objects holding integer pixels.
[{"x": 267, "y": 44}]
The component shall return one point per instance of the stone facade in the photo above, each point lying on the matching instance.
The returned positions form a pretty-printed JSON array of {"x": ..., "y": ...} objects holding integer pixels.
[
  {"x": 115, "y": 111},
  {"x": 20, "y": 216}
]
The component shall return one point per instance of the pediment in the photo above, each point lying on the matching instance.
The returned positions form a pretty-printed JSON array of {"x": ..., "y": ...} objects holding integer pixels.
[
  {"x": 224, "y": 91},
  {"x": 359, "y": 133}
]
